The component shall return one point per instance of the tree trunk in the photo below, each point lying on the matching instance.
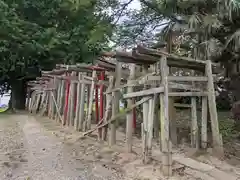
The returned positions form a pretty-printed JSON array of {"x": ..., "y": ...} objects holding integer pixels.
[{"x": 18, "y": 95}]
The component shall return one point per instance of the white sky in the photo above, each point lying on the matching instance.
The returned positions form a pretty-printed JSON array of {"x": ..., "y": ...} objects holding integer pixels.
[{"x": 135, "y": 4}]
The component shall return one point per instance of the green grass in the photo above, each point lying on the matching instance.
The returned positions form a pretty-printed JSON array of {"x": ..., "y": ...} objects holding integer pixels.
[
  {"x": 227, "y": 126},
  {"x": 3, "y": 109}
]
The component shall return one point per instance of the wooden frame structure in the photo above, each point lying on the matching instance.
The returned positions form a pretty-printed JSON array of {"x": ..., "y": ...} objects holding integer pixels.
[{"x": 148, "y": 83}]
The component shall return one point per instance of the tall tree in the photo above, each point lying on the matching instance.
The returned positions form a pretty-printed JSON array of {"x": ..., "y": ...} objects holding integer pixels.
[
  {"x": 207, "y": 29},
  {"x": 36, "y": 35}
]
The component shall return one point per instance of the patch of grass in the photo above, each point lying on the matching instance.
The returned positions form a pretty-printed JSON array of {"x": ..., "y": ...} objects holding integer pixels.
[
  {"x": 227, "y": 126},
  {"x": 3, "y": 109}
]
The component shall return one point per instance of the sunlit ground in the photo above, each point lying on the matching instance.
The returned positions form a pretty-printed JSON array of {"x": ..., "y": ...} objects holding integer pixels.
[
  {"x": 4, "y": 99},
  {"x": 3, "y": 109}
]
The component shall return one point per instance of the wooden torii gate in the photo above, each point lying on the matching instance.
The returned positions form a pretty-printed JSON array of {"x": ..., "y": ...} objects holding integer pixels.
[{"x": 148, "y": 83}]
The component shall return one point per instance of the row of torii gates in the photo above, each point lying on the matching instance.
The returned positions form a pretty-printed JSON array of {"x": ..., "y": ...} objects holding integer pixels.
[{"x": 66, "y": 94}]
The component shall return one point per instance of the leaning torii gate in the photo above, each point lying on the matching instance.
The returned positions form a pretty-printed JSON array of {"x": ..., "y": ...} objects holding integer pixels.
[
  {"x": 153, "y": 81},
  {"x": 205, "y": 90}
]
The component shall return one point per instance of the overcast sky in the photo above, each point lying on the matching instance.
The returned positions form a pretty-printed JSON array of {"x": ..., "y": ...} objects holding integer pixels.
[{"x": 135, "y": 4}]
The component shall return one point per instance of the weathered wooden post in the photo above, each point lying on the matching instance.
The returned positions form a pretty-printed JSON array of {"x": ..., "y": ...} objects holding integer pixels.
[
  {"x": 77, "y": 117},
  {"x": 152, "y": 102},
  {"x": 62, "y": 99},
  {"x": 82, "y": 104},
  {"x": 115, "y": 104},
  {"x": 28, "y": 98},
  {"x": 58, "y": 93},
  {"x": 109, "y": 101},
  {"x": 72, "y": 100},
  {"x": 194, "y": 128},
  {"x": 165, "y": 140},
  {"x": 50, "y": 105},
  {"x": 70, "y": 97},
  {"x": 129, "y": 125},
  {"x": 54, "y": 88},
  {"x": 90, "y": 108},
  {"x": 217, "y": 138},
  {"x": 144, "y": 129},
  {"x": 204, "y": 122},
  {"x": 66, "y": 112}
]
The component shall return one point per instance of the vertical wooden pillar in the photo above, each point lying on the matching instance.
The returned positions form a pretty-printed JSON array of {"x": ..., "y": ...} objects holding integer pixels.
[
  {"x": 145, "y": 123},
  {"x": 78, "y": 99},
  {"x": 165, "y": 140},
  {"x": 156, "y": 119},
  {"x": 194, "y": 128},
  {"x": 72, "y": 100},
  {"x": 157, "y": 109},
  {"x": 134, "y": 117},
  {"x": 172, "y": 109},
  {"x": 82, "y": 105},
  {"x": 108, "y": 110},
  {"x": 129, "y": 125},
  {"x": 42, "y": 99},
  {"x": 28, "y": 98},
  {"x": 43, "y": 104},
  {"x": 62, "y": 99},
  {"x": 90, "y": 108},
  {"x": 31, "y": 102},
  {"x": 66, "y": 101},
  {"x": 37, "y": 102},
  {"x": 50, "y": 110},
  {"x": 58, "y": 90},
  {"x": 151, "y": 111},
  {"x": 204, "y": 123},
  {"x": 102, "y": 77},
  {"x": 47, "y": 102},
  {"x": 54, "y": 94},
  {"x": 96, "y": 104},
  {"x": 217, "y": 139},
  {"x": 115, "y": 104},
  {"x": 172, "y": 120}
]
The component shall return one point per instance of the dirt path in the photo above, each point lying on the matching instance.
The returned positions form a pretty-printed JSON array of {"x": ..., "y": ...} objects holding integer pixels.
[
  {"x": 41, "y": 149},
  {"x": 27, "y": 152}
]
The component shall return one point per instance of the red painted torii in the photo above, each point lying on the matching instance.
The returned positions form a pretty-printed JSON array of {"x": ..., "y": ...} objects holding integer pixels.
[{"x": 101, "y": 88}]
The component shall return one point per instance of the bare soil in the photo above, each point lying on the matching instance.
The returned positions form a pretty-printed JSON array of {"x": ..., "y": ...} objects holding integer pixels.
[
  {"x": 40, "y": 148},
  {"x": 29, "y": 152}
]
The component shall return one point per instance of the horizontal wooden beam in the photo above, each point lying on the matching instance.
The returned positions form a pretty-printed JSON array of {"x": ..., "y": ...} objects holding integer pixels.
[
  {"x": 182, "y": 105},
  {"x": 185, "y": 94},
  {"x": 182, "y": 86},
  {"x": 177, "y": 78},
  {"x": 159, "y": 53},
  {"x": 144, "y": 92},
  {"x": 188, "y": 78}
]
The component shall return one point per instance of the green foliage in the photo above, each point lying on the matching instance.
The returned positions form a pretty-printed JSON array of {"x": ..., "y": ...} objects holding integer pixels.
[
  {"x": 210, "y": 26},
  {"x": 227, "y": 127},
  {"x": 45, "y": 32}
]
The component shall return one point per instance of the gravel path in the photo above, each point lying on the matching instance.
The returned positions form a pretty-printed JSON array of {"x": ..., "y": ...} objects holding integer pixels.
[{"x": 28, "y": 153}]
